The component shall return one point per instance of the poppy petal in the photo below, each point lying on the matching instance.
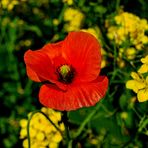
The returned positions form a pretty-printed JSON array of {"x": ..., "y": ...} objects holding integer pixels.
[
  {"x": 77, "y": 96},
  {"x": 53, "y": 50},
  {"x": 40, "y": 63},
  {"x": 39, "y": 68},
  {"x": 32, "y": 74},
  {"x": 82, "y": 50}
]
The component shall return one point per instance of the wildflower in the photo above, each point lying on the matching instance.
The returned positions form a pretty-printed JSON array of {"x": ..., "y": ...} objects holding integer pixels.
[
  {"x": 73, "y": 19},
  {"x": 42, "y": 132},
  {"x": 124, "y": 115},
  {"x": 9, "y": 4},
  {"x": 56, "y": 22},
  {"x": 139, "y": 85},
  {"x": 128, "y": 32},
  {"x": 70, "y": 72},
  {"x": 128, "y": 25},
  {"x": 130, "y": 53},
  {"x": 144, "y": 67},
  {"x": 104, "y": 61}
]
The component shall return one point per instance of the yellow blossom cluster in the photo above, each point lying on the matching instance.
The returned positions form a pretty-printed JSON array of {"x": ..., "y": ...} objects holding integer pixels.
[
  {"x": 128, "y": 32},
  {"x": 73, "y": 19},
  {"x": 9, "y": 4},
  {"x": 42, "y": 133},
  {"x": 139, "y": 84},
  {"x": 96, "y": 33},
  {"x": 129, "y": 27}
]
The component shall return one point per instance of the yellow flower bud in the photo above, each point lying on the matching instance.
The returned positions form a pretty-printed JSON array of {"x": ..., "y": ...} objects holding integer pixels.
[
  {"x": 25, "y": 143},
  {"x": 23, "y": 133},
  {"x": 23, "y": 123},
  {"x": 40, "y": 136}
]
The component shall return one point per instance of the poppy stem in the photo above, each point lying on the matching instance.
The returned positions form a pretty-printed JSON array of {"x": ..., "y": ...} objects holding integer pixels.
[
  {"x": 66, "y": 123},
  {"x": 28, "y": 125}
]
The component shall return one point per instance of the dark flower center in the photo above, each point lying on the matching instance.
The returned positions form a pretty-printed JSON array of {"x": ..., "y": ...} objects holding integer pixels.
[{"x": 65, "y": 73}]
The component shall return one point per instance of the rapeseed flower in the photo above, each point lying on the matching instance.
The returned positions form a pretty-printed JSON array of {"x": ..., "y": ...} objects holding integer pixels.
[
  {"x": 42, "y": 132},
  {"x": 128, "y": 27},
  {"x": 128, "y": 32},
  {"x": 139, "y": 84},
  {"x": 144, "y": 67},
  {"x": 9, "y": 4},
  {"x": 73, "y": 18}
]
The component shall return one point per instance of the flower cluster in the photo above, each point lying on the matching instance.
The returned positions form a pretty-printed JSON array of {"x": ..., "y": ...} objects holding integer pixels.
[
  {"x": 42, "y": 132},
  {"x": 73, "y": 19},
  {"x": 144, "y": 67},
  {"x": 131, "y": 27},
  {"x": 128, "y": 32},
  {"x": 9, "y": 4},
  {"x": 139, "y": 84}
]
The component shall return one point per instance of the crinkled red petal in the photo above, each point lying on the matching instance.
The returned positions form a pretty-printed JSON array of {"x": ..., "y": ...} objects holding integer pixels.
[
  {"x": 32, "y": 74},
  {"x": 76, "y": 96},
  {"x": 40, "y": 68},
  {"x": 40, "y": 63},
  {"x": 53, "y": 50},
  {"x": 82, "y": 50}
]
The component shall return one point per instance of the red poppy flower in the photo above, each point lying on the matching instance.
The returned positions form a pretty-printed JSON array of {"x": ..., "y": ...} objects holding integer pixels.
[{"x": 69, "y": 71}]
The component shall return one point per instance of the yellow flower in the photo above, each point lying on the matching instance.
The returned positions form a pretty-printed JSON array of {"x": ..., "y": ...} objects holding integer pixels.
[
  {"x": 144, "y": 67},
  {"x": 73, "y": 19},
  {"x": 9, "y": 4},
  {"x": 121, "y": 63},
  {"x": 124, "y": 115},
  {"x": 143, "y": 95},
  {"x": 128, "y": 29},
  {"x": 53, "y": 145},
  {"x": 135, "y": 84},
  {"x": 57, "y": 137},
  {"x": 23, "y": 123},
  {"x": 23, "y": 133},
  {"x": 42, "y": 132},
  {"x": 25, "y": 143},
  {"x": 40, "y": 136},
  {"x": 131, "y": 53},
  {"x": 56, "y": 22},
  {"x": 103, "y": 61},
  {"x": 139, "y": 85}
]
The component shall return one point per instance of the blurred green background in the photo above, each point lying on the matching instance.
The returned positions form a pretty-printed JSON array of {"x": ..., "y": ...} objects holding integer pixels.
[{"x": 121, "y": 120}]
